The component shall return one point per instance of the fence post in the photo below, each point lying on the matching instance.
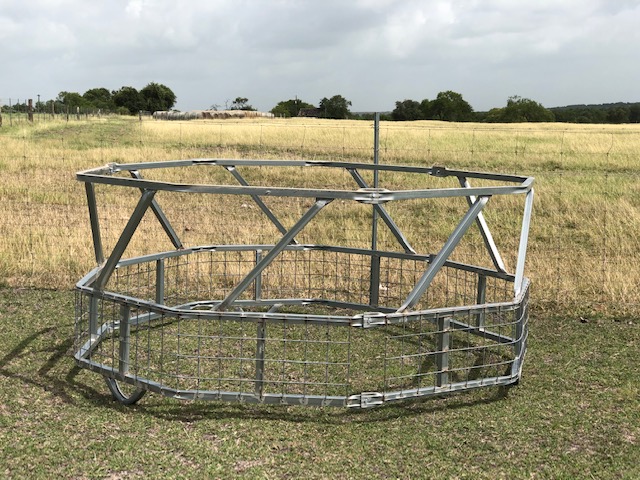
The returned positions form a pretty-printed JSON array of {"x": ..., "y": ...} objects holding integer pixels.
[{"x": 30, "y": 111}]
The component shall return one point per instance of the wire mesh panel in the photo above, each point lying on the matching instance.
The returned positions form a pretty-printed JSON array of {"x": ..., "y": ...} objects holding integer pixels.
[{"x": 333, "y": 322}]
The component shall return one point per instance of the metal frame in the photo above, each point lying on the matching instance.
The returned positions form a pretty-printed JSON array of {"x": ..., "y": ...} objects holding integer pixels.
[{"x": 94, "y": 293}]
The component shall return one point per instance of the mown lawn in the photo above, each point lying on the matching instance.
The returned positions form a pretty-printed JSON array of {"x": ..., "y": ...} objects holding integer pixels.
[{"x": 575, "y": 414}]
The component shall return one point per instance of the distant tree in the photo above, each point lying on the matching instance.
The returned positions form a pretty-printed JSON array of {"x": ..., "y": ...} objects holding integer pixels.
[
  {"x": 634, "y": 113},
  {"x": 241, "y": 103},
  {"x": 290, "y": 108},
  {"x": 520, "y": 109},
  {"x": 335, "y": 107},
  {"x": 129, "y": 98},
  {"x": 407, "y": 110},
  {"x": 427, "y": 107},
  {"x": 72, "y": 100},
  {"x": 99, "y": 98},
  {"x": 618, "y": 115},
  {"x": 451, "y": 107},
  {"x": 157, "y": 97}
]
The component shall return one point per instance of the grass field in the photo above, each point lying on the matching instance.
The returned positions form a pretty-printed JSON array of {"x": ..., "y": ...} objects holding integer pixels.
[{"x": 575, "y": 414}]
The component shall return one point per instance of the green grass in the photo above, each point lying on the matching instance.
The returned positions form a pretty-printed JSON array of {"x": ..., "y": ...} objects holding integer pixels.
[{"x": 575, "y": 414}]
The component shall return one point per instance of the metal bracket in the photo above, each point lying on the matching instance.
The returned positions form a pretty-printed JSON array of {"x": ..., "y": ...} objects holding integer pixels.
[{"x": 366, "y": 400}]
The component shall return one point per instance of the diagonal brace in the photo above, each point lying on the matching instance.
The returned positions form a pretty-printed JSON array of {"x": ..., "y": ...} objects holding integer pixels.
[
  {"x": 440, "y": 259},
  {"x": 258, "y": 200},
  {"x": 164, "y": 221},
  {"x": 275, "y": 251},
  {"x": 125, "y": 238},
  {"x": 489, "y": 243},
  {"x": 384, "y": 214}
]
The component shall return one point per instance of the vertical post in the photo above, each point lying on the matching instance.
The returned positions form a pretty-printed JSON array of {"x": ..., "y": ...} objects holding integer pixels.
[
  {"x": 95, "y": 224},
  {"x": 257, "y": 293},
  {"x": 443, "y": 337},
  {"x": 481, "y": 299},
  {"x": 160, "y": 281},
  {"x": 524, "y": 237},
  {"x": 123, "y": 350},
  {"x": 518, "y": 337},
  {"x": 374, "y": 282},
  {"x": 30, "y": 111},
  {"x": 260, "y": 350},
  {"x": 93, "y": 317}
]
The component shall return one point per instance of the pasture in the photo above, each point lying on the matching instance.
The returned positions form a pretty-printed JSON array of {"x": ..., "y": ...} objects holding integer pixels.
[{"x": 575, "y": 414}]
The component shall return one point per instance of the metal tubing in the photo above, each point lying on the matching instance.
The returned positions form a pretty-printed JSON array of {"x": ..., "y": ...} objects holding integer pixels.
[
  {"x": 524, "y": 237},
  {"x": 258, "y": 200},
  {"x": 93, "y": 317},
  {"x": 95, "y": 222},
  {"x": 441, "y": 257},
  {"x": 374, "y": 282},
  {"x": 260, "y": 351},
  {"x": 481, "y": 299},
  {"x": 489, "y": 243},
  {"x": 162, "y": 218},
  {"x": 125, "y": 333},
  {"x": 443, "y": 337},
  {"x": 379, "y": 209},
  {"x": 279, "y": 247},
  {"x": 257, "y": 293},
  {"x": 160, "y": 281},
  {"x": 125, "y": 238}
]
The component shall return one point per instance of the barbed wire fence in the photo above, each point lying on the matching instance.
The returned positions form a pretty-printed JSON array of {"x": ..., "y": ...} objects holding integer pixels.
[{"x": 584, "y": 240}]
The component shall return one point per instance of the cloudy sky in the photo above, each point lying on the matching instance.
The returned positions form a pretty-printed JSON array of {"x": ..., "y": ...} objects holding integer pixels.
[{"x": 373, "y": 52}]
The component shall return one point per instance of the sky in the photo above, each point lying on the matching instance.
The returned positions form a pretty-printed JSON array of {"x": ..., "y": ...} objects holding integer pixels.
[{"x": 372, "y": 52}]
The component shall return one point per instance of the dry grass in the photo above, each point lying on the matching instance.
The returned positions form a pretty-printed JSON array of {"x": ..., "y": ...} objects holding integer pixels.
[{"x": 583, "y": 241}]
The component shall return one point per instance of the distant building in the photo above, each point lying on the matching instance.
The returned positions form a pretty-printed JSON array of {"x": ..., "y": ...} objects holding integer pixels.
[{"x": 310, "y": 112}]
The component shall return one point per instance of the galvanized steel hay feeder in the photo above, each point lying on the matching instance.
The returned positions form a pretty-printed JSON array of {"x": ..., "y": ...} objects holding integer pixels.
[{"x": 305, "y": 323}]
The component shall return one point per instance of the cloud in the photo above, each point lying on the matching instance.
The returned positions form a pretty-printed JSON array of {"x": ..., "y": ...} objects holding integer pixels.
[{"x": 374, "y": 52}]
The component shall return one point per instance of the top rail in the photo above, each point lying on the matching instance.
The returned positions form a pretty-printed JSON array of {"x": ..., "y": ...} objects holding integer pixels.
[{"x": 105, "y": 175}]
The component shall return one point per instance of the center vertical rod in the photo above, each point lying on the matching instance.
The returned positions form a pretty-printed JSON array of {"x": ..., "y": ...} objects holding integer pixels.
[{"x": 374, "y": 285}]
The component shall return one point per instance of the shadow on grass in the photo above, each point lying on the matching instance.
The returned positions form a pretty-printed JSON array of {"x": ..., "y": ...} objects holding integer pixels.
[
  {"x": 189, "y": 412},
  {"x": 52, "y": 375}
]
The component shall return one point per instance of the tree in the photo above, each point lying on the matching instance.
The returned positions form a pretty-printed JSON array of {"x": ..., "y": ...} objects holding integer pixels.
[
  {"x": 427, "y": 108},
  {"x": 129, "y": 98},
  {"x": 157, "y": 97},
  {"x": 618, "y": 115},
  {"x": 241, "y": 103},
  {"x": 407, "y": 110},
  {"x": 72, "y": 100},
  {"x": 335, "y": 107},
  {"x": 290, "y": 108},
  {"x": 451, "y": 107},
  {"x": 99, "y": 98},
  {"x": 520, "y": 109}
]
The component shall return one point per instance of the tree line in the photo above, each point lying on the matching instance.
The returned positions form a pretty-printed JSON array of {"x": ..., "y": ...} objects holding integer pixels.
[
  {"x": 448, "y": 106},
  {"x": 124, "y": 101}
]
